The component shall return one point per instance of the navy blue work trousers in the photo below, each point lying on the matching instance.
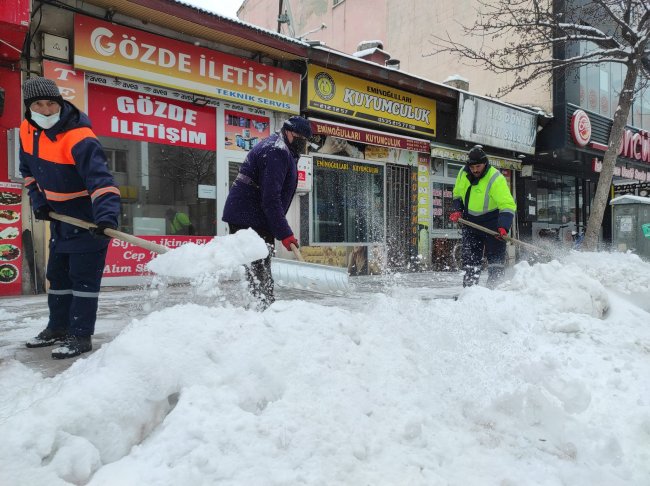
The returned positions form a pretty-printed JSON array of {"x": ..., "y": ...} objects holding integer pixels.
[
  {"x": 474, "y": 246},
  {"x": 73, "y": 295}
]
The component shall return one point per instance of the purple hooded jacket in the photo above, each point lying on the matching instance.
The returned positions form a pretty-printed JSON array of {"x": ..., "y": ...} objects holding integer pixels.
[{"x": 264, "y": 189}]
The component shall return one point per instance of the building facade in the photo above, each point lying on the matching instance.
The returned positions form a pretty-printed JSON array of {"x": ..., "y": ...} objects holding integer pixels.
[{"x": 562, "y": 175}]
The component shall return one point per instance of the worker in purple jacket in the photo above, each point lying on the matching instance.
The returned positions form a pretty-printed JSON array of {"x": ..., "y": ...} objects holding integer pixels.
[{"x": 261, "y": 195}]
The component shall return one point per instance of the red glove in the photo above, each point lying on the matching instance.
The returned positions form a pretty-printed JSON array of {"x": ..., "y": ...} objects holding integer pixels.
[
  {"x": 455, "y": 216},
  {"x": 502, "y": 232},
  {"x": 288, "y": 241}
]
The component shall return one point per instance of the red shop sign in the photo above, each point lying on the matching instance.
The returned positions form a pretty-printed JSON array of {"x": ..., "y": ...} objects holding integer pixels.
[
  {"x": 144, "y": 117},
  {"x": 126, "y": 260}
]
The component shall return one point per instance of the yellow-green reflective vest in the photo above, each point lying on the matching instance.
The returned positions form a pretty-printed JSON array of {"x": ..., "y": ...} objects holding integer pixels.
[{"x": 490, "y": 202}]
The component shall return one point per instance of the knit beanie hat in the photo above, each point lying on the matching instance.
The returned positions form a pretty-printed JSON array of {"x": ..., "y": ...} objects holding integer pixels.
[
  {"x": 37, "y": 88},
  {"x": 299, "y": 125},
  {"x": 476, "y": 156}
]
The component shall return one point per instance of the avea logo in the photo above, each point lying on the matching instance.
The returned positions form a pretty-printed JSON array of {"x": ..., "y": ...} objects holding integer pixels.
[{"x": 97, "y": 38}]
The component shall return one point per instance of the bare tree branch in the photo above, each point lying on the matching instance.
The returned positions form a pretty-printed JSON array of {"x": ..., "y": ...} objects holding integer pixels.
[{"x": 530, "y": 41}]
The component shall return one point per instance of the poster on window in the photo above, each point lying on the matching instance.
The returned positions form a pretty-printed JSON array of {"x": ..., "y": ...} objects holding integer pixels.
[
  {"x": 245, "y": 130},
  {"x": 11, "y": 250},
  {"x": 149, "y": 118},
  {"x": 126, "y": 260}
]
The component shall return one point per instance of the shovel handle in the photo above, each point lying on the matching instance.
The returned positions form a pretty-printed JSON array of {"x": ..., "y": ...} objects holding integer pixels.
[
  {"x": 296, "y": 252},
  {"x": 134, "y": 240},
  {"x": 533, "y": 248}
]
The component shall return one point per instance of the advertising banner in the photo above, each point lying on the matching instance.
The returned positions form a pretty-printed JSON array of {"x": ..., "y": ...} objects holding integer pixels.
[
  {"x": 424, "y": 201},
  {"x": 343, "y": 95},
  {"x": 126, "y": 260},
  {"x": 245, "y": 130},
  {"x": 148, "y": 118},
  {"x": 370, "y": 137},
  {"x": 70, "y": 81},
  {"x": 134, "y": 54},
  {"x": 488, "y": 123},
  {"x": 11, "y": 247}
]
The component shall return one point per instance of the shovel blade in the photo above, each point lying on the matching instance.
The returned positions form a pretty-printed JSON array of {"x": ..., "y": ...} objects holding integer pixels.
[{"x": 310, "y": 276}]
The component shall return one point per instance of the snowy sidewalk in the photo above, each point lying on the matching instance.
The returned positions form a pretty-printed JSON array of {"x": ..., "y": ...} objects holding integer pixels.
[
  {"x": 540, "y": 382},
  {"x": 23, "y": 317}
]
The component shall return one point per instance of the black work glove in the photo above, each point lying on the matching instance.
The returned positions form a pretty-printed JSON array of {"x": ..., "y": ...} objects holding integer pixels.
[
  {"x": 98, "y": 231},
  {"x": 43, "y": 213}
]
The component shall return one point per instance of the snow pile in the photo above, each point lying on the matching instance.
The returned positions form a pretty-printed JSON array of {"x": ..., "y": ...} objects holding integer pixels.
[
  {"x": 222, "y": 253},
  {"x": 624, "y": 272},
  {"x": 558, "y": 288},
  {"x": 529, "y": 384}
]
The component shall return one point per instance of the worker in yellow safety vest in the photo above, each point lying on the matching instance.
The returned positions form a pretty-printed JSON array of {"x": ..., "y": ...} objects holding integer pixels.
[
  {"x": 179, "y": 223},
  {"x": 481, "y": 195}
]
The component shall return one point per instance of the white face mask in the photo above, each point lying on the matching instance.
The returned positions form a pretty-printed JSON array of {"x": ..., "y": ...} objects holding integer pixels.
[{"x": 45, "y": 121}]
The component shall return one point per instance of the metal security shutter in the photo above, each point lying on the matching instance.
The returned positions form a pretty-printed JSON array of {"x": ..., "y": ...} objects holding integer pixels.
[{"x": 398, "y": 216}]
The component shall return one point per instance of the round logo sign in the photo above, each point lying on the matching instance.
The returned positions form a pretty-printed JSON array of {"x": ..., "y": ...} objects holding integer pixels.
[
  {"x": 324, "y": 86},
  {"x": 580, "y": 128}
]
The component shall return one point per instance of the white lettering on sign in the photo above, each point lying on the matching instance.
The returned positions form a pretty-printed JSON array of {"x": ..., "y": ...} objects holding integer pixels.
[
  {"x": 158, "y": 108},
  {"x": 159, "y": 131},
  {"x": 635, "y": 145},
  {"x": 101, "y": 40},
  {"x": 130, "y": 49}
]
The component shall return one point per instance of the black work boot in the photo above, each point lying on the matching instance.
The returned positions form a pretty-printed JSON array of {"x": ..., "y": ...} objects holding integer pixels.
[
  {"x": 73, "y": 346},
  {"x": 46, "y": 337}
]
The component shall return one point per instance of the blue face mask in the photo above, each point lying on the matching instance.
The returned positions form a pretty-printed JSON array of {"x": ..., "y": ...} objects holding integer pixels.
[{"x": 44, "y": 121}]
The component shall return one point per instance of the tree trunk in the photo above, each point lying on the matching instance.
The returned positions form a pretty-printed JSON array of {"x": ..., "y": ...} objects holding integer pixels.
[{"x": 599, "y": 204}]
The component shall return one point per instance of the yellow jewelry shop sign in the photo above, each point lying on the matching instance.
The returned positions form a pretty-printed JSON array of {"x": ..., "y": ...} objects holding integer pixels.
[{"x": 343, "y": 95}]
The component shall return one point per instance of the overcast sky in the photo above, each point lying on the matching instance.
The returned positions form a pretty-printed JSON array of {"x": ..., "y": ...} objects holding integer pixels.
[{"x": 222, "y": 7}]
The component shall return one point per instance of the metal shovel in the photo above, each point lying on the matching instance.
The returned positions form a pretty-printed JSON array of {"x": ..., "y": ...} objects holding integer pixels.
[{"x": 309, "y": 276}]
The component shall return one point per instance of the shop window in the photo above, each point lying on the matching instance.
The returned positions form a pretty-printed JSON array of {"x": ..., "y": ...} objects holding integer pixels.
[
  {"x": 159, "y": 181},
  {"x": 453, "y": 170},
  {"x": 441, "y": 198},
  {"x": 116, "y": 160},
  {"x": 348, "y": 202},
  {"x": 442, "y": 188}
]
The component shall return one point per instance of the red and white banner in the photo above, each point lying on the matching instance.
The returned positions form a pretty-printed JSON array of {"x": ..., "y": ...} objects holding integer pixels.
[
  {"x": 70, "y": 81},
  {"x": 148, "y": 118},
  {"x": 11, "y": 242},
  {"x": 126, "y": 260}
]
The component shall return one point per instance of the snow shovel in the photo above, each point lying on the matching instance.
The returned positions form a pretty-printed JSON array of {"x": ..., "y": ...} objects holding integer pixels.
[
  {"x": 309, "y": 276},
  {"x": 134, "y": 240},
  {"x": 533, "y": 248}
]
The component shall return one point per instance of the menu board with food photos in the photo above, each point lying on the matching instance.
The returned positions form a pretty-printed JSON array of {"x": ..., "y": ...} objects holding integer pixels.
[{"x": 10, "y": 239}]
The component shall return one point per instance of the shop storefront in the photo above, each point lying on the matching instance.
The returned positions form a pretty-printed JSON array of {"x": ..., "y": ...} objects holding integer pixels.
[
  {"x": 366, "y": 207},
  {"x": 175, "y": 120},
  {"x": 566, "y": 176}
]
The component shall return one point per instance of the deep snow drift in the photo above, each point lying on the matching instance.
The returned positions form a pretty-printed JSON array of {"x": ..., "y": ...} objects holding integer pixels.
[{"x": 543, "y": 381}]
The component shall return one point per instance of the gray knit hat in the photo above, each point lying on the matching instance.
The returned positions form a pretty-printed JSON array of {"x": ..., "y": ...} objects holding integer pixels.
[{"x": 35, "y": 89}]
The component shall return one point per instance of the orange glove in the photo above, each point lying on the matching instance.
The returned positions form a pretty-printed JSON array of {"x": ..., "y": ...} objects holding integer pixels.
[
  {"x": 288, "y": 241},
  {"x": 502, "y": 232},
  {"x": 455, "y": 216}
]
